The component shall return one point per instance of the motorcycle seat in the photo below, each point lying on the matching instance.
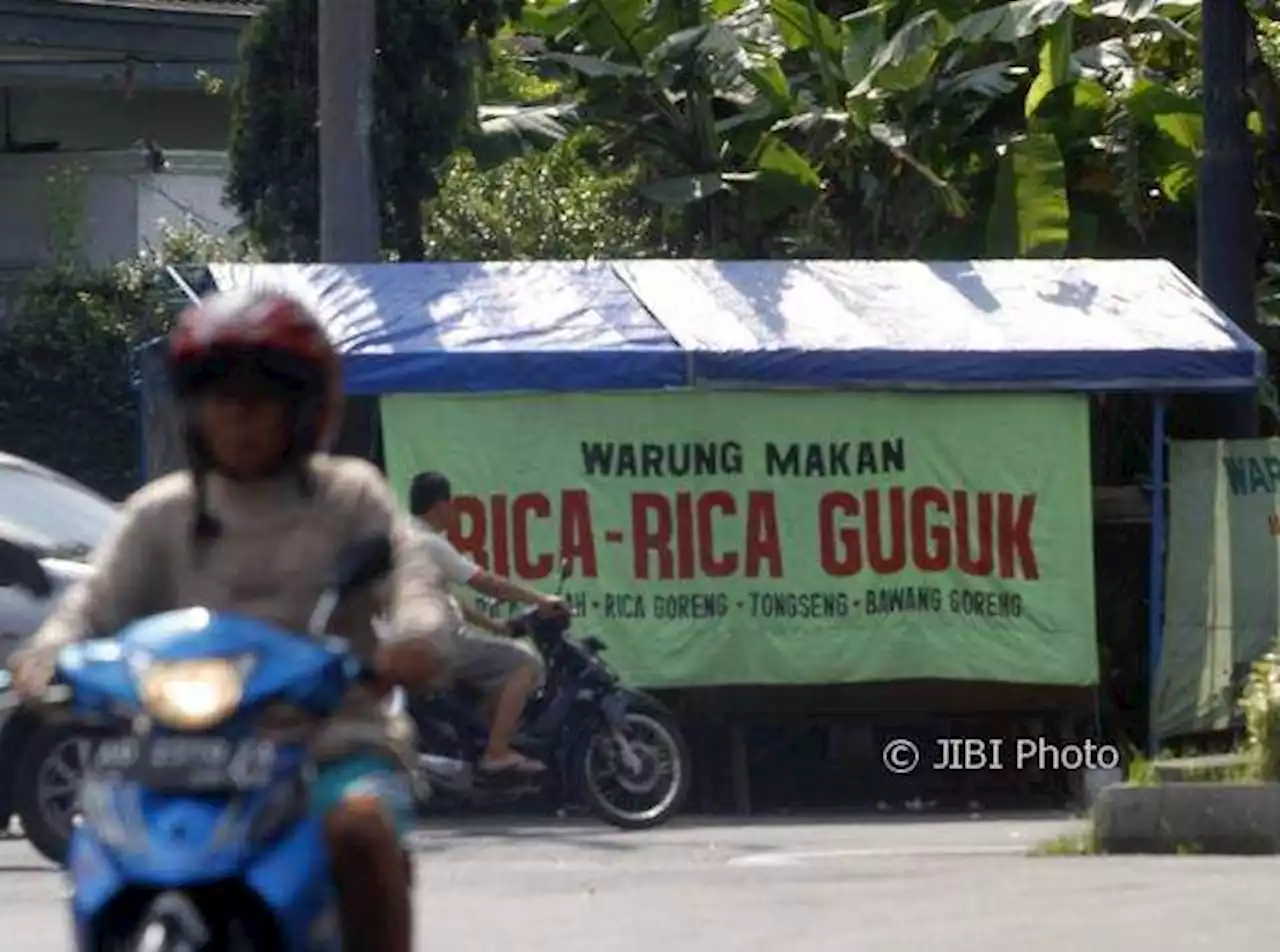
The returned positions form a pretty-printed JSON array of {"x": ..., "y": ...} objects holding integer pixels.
[{"x": 466, "y": 693}]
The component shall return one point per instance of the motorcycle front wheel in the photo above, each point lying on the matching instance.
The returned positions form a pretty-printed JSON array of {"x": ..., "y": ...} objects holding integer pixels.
[
  {"x": 47, "y": 786},
  {"x": 637, "y": 777}
]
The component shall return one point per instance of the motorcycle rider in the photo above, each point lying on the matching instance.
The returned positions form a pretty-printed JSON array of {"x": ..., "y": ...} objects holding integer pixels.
[
  {"x": 503, "y": 670},
  {"x": 253, "y": 526}
]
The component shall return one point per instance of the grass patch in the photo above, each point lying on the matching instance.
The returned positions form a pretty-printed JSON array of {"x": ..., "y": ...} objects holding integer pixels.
[
  {"x": 1141, "y": 771},
  {"x": 1085, "y": 843},
  {"x": 1081, "y": 843},
  {"x": 1260, "y": 704}
]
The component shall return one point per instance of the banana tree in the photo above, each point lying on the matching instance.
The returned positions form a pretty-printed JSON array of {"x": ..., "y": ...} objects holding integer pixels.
[
  {"x": 653, "y": 76},
  {"x": 896, "y": 107},
  {"x": 902, "y": 128},
  {"x": 911, "y": 113},
  {"x": 1082, "y": 74},
  {"x": 764, "y": 115},
  {"x": 1022, "y": 166}
]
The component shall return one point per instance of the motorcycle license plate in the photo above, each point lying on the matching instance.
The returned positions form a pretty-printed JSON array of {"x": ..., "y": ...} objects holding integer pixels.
[{"x": 187, "y": 764}]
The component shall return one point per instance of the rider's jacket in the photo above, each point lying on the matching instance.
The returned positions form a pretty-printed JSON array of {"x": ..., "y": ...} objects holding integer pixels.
[{"x": 270, "y": 561}]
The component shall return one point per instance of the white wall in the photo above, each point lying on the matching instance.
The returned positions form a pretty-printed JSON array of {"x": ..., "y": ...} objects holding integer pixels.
[
  {"x": 99, "y": 132},
  {"x": 124, "y": 204},
  {"x": 193, "y": 187}
]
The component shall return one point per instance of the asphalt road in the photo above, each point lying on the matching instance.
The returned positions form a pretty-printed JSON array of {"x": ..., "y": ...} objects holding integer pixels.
[{"x": 866, "y": 885}]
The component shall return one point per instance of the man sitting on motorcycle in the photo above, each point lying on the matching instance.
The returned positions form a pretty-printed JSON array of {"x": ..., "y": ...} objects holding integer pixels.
[
  {"x": 503, "y": 670},
  {"x": 253, "y": 527}
]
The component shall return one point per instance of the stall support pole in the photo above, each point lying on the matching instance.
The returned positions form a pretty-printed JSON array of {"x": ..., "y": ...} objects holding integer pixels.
[
  {"x": 140, "y": 388},
  {"x": 741, "y": 768},
  {"x": 1155, "y": 582}
]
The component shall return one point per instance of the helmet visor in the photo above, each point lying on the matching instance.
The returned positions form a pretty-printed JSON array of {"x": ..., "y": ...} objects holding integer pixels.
[{"x": 247, "y": 373}]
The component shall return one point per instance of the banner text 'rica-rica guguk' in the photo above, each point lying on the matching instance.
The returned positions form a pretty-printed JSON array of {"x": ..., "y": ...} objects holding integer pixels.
[{"x": 718, "y": 534}]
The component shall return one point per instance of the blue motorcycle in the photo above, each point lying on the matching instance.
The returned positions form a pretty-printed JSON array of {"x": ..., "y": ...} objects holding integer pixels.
[{"x": 195, "y": 831}]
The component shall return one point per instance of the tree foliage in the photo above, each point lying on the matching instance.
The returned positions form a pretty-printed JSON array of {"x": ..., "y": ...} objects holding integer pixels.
[
  {"x": 560, "y": 204},
  {"x": 904, "y": 127},
  {"x": 742, "y": 128},
  {"x": 66, "y": 351},
  {"x": 422, "y": 97},
  {"x": 524, "y": 186}
]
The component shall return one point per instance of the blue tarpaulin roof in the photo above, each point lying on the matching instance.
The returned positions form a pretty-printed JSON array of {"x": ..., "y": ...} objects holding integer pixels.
[{"x": 572, "y": 326}]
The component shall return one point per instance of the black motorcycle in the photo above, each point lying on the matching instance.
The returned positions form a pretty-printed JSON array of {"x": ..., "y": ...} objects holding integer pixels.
[{"x": 614, "y": 749}]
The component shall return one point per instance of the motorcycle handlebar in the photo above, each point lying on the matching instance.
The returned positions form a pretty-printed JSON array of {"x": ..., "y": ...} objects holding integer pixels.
[
  {"x": 532, "y": 620},
  {"x": 56, "y": 694}
]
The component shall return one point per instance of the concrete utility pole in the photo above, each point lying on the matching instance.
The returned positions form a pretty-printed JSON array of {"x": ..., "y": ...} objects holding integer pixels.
[
  {"x": 349, "y": 226},
  {"x": 1226, "y": 233}
]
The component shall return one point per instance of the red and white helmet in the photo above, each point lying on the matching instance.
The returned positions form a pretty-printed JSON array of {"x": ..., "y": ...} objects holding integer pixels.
[{"x": 264, "y": 340}]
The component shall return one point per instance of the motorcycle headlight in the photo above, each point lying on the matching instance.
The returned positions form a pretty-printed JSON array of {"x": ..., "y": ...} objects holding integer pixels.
[{"x": 193, "y": 695}]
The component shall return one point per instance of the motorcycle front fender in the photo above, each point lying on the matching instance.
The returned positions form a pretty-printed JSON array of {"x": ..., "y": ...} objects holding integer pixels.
[
  {"x": 96, "y": 879},
  {"x": 607, "y": 710},
  {"x": 293, "y": 876},
  {"x": 614, "y": 707}
]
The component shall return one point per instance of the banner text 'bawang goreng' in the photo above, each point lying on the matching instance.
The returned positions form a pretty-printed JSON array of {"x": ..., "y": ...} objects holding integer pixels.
[{"x": 752, "y": 538}]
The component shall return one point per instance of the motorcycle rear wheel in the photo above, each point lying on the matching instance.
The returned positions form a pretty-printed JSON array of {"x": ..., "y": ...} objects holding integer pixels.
[{"x": 657, "y": 740}]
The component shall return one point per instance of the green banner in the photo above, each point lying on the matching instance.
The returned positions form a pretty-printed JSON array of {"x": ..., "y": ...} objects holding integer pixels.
[
  {"x": 770, "y": 537},
  {"x": 1222, "y": 575}
]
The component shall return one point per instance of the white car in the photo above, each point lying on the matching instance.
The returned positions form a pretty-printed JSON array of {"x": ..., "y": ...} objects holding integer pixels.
[{"x": 40, "y": 762}]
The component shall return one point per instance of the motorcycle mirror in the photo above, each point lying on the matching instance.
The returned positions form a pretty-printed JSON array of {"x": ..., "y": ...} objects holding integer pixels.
[
  {"x": 20, "y": 567},
  {"x": 361, "y": 563}
]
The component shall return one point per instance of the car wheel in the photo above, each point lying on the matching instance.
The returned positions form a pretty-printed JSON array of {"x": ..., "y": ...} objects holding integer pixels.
[{"x": 47, "y": 792}]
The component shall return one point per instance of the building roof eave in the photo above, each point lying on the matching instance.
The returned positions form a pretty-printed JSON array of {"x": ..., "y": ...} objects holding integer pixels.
[{"x": 132, "y": 30}]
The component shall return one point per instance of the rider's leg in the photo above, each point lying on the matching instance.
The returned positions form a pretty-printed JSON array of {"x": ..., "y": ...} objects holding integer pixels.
[
  {"x": 368, "y": 809},
  {"x": 507, "y": 708},
  {"x": 506, "y": 672}
]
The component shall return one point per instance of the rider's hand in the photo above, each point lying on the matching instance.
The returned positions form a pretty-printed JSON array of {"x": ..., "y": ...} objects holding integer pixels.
[
  {"x": 32, "y": 670},
  {"x": 552, "y": 605}
]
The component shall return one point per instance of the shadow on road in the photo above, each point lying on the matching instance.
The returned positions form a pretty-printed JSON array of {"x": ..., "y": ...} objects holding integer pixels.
[
  {"x": 527, "y": 826},
  {"x": 437, "y": 836},
  {"x": 870, "y": 817}
]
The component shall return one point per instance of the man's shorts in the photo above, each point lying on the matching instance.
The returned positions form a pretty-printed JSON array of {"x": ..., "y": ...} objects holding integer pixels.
[
  {"x": 365, "y": 775},
  {"x": 487, "y": 662}
]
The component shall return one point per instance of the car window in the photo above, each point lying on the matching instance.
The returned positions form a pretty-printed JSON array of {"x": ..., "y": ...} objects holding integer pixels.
[{"x": 69, "y": 519}]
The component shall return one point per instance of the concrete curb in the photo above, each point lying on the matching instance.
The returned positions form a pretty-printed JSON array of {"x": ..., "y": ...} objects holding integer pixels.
[{"x": 1241, "y": 819}]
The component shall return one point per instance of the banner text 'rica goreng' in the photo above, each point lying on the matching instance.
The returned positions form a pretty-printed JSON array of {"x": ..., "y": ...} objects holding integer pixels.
[{"x": 751, "y": 537}]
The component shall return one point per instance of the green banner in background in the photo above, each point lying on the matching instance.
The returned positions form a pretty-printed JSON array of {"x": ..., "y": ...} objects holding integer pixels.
[
  {"x": 752, "y": 538},
  {"x": 1223, "y": 580}
]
